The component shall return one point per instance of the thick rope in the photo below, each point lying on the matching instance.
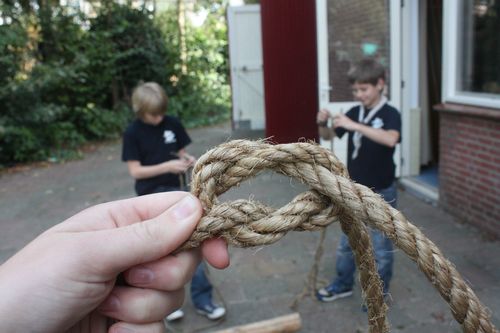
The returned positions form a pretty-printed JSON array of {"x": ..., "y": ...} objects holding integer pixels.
[
  {"x": 333, "y": 197},
  {"x": 310, "y": 286}
]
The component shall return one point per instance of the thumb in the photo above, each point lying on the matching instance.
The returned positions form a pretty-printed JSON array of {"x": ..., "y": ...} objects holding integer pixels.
[{"x": 114, "y": 250}]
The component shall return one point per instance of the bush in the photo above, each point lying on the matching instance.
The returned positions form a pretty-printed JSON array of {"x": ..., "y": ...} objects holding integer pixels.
[
  {"x": 125, "y": 47},
  {"x": 97, "y": 123},
  {"x": 66, "y": 79},
  {"x": 12, "y": 42},
  {"x": 201, "y": 95},
  {"x": 20, "y": 144},
  {"x": 62, "y": 136}
]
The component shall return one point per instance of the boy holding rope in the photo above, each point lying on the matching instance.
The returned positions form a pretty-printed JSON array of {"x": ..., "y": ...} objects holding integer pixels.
[
  {"x": 374, "y": 129},
  {"x": 154, "y": 149}
]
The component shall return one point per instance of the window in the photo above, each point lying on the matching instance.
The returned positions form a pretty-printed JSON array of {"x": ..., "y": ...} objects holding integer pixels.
[
  {"x": 471, "y": 52},
  {"x": 356, "y": 29}
]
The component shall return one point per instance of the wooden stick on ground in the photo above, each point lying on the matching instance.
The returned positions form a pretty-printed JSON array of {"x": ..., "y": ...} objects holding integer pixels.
[{"x": 283, "y": 324}]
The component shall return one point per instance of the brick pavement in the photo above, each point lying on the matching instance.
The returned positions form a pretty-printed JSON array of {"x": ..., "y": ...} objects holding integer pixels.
[{"x": 261, "y": 282}]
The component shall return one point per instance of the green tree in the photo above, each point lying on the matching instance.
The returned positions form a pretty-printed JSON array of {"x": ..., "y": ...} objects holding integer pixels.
[
  {"x": 199, "y": 92},
  {"x": 66, "y": 78},
  {"x": 135, "y": 49}
]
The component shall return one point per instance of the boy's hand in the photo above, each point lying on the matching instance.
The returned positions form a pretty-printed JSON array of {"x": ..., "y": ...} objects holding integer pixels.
[
  {"x": 191, "y": 160},
  {"x": 322, "y": 116},
  {"x": 177, "y": 166},
  {"x": 341, "y": 120}
]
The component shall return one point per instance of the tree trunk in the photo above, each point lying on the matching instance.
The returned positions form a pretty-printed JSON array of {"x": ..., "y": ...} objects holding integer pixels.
[
  {"x": 181, "y": 23},
  {"x": 47, "y": 45}
]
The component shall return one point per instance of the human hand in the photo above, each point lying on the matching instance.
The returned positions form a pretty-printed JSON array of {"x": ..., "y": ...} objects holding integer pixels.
[
  {"x": 191, "y": 160},
  {"x": 177, "y": 166},
  {"x": 341, "y": 120},
  {"x": 64, "y": 280},
  {"x": 322, "y": 116}
]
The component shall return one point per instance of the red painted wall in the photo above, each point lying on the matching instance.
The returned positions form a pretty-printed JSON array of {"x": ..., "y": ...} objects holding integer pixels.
[
  {"x": 290, "y": 69},
  {"x": 469, "y": 168}
]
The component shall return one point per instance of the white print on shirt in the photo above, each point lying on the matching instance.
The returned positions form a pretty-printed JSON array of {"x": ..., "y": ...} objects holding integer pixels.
[
  {"x": 377, "y": 123},
  {"x": 169, "y": 137}
]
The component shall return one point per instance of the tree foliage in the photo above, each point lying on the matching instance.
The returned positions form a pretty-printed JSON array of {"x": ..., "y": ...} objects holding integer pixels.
[
  {"x": 66, "y": 78},
  {"x": 200, "y": 95}
]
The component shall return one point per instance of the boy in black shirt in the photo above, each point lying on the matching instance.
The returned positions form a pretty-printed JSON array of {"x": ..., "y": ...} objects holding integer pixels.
[
  {"x": 374, "y": 129},
  {"x": 154, "y": 149},
  {"x": 154, "y": 144}
]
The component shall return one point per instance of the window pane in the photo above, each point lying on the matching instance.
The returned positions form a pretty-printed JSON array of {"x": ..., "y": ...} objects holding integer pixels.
[
  {"x": 479, "y": 61},
  {"x": 356, "y": 29}
]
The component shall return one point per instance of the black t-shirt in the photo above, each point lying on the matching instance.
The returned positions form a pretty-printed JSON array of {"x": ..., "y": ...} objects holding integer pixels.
[
  {"x": 374, "y": 166},
  {"x": 154, "y": 144}
]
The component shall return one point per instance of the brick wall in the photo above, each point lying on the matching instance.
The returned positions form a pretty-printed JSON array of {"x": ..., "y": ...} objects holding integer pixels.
[{"x": 469, "y": 168}]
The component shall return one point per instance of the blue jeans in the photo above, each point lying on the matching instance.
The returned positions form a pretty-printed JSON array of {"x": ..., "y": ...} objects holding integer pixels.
[
  {"x": 201, "y": 288},
  {"x": 383, "y": 249}
]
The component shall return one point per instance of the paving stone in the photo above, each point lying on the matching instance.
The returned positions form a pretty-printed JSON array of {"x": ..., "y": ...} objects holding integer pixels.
[{"x": 262, "y": 282}]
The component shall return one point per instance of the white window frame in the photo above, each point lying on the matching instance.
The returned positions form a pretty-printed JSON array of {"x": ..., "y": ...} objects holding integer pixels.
[{"x": 451, "y": 19}]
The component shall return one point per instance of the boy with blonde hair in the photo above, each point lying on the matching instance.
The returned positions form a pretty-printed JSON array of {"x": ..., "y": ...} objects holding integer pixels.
[
  {"x": 154, "y": 144},
  {"x": 154, "y": 149}
]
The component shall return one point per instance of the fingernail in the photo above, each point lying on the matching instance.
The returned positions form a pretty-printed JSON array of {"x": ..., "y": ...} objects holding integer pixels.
[
  {"x": 140, "y": 275},
  {"x": 185, "y": 207},
  {"x": 111, "y": 304}
]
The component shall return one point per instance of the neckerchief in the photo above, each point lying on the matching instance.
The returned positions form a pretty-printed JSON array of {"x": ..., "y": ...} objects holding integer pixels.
[{"x": 356, "y": 138}]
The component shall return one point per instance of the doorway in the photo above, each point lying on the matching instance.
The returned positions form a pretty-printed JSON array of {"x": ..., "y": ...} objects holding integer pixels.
[
  {"x": 348, "y": 31},
  {"x": 430, "y": 152},
  {"x": 406, "y": 36},
  {"x": 245, "y": 54}
]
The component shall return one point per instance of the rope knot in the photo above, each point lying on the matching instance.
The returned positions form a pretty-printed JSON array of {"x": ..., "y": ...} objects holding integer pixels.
[{"x": 332, "y": 197}]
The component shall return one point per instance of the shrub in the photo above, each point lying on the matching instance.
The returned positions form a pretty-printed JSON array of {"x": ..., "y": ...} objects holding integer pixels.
[
  {"x": 66, "y": 79},
  {"x": 96, "y": 123},
  {"x": 20, "y": 144},
  {"x": 201, "y": 95}
]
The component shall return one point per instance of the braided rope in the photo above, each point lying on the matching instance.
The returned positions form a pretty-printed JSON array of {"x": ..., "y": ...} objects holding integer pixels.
[{"x": 333, "y": 198}]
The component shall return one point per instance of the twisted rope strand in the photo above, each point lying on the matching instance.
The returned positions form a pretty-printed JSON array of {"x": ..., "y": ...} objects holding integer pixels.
[
  {"x": 333, "y": 197},
  {"x": 293, "y": 160}
]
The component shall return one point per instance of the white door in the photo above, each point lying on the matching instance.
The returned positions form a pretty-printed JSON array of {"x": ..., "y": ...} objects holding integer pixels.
[
  {"x": 349, "y": 30},
  {"x": 245, "y": 55}
]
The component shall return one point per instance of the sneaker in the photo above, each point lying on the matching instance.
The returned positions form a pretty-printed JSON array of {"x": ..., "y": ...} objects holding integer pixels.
[
  {"x": 176, "y": 315},
  {"x": 211, "y": 311},
  {"x": 327, "y": 294}
]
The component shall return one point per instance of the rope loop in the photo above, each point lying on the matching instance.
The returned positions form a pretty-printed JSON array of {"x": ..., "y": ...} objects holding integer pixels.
[{"x": 333, "y": 197}]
